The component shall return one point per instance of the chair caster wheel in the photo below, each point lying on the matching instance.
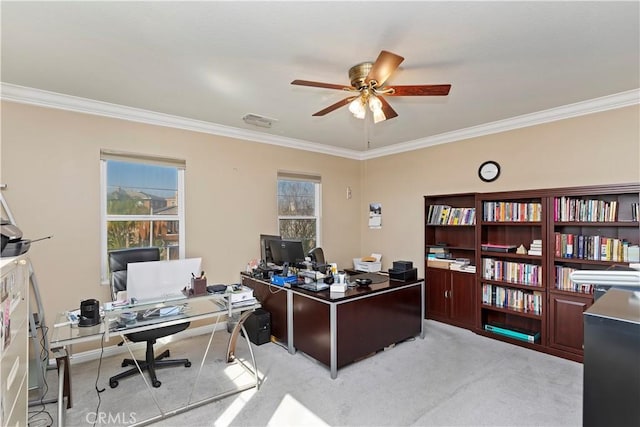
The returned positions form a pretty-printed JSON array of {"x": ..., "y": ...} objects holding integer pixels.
[
  {"x": 113, "y": 384},
  {"x": 187, "y": 365},
  {"x": 124, "y": 364},
  {"x": 156, "y": 383}
]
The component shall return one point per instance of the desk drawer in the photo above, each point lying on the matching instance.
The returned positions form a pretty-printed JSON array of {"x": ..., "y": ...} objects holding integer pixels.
[{"x": 14, "y": 366}]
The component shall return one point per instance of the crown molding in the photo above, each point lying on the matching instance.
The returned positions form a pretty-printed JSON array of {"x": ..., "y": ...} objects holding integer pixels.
[
  {"x": 47, "y": 99},
  {"x": 596, "y": 105},
  {"x": 43, "y": 98}
]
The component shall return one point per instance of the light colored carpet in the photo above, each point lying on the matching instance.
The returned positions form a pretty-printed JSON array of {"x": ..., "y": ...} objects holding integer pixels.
[{"x": 451, "y": 378}]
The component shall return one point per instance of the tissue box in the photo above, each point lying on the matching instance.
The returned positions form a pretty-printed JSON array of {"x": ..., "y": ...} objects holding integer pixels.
[
  {"x": 366, "y": 266},
  {"x": 338, "y": 287}
]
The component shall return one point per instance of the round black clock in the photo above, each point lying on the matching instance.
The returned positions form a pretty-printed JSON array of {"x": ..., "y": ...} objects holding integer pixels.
[{"x": 489, "y": 171}]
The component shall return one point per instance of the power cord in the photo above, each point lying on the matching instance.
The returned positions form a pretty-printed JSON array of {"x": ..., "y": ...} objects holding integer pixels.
[
  {"x": 44, "y": 357},
  {"x": 98, "y": 390}
]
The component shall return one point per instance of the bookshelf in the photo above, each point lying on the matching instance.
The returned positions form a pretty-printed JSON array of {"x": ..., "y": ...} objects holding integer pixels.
[
  {"x": 449, "y": 236},
  {"x": 589, "y": 228},
  {"x": 511, "y": 278},
  {"x": 524, "y": 296}
]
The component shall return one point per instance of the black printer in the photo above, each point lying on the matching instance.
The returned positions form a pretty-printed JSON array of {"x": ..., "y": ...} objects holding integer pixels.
[{"x": 12, "y": 242}]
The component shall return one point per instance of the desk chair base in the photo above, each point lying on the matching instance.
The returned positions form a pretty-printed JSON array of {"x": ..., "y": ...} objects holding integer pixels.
[{"x": 149, "y": 364}]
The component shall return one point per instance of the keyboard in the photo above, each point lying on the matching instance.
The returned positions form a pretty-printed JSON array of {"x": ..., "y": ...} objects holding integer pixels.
[
  {"x": 313, "y": 287},
  {"x": 160, "y": 299}
]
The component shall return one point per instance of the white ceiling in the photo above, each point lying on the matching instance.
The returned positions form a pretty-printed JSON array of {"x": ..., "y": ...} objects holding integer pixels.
[{"x": 214, "y": 62}]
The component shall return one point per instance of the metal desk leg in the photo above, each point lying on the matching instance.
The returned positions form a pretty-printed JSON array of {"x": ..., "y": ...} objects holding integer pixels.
[
  {"x": 64, "y": 383},
  {"x": 333, "y": 332},
  {"x": 290, "y": 346},
  {"x": 422, "y": 312}
]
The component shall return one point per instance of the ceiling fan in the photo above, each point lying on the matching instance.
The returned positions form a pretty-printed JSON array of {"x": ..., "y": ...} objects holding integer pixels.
[{"x": 367, "y": 88}]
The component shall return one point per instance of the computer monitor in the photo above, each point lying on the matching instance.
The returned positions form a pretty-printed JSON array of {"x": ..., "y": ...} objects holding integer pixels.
[
  {"x": 287, "y": 251},
  {"x": 265, "y": 248},
  {"x": 155, "y": 279}
]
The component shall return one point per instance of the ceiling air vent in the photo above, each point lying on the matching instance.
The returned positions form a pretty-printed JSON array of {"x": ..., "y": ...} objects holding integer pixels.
[{"x": 256, "y": 120}]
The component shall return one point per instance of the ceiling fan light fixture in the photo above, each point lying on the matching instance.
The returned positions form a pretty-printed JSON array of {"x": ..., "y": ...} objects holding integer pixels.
[
  {"x": 375, "y": 104},
  {"x": 357, "y": 108},
  {"x": 378, "y": 116}
]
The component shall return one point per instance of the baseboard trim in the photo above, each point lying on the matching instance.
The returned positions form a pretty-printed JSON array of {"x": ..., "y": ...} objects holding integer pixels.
[{"x": 113, "y": 350}]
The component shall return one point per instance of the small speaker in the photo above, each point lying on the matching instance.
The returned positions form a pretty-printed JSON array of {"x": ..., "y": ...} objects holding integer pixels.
[{"x": 258, "y": 326}]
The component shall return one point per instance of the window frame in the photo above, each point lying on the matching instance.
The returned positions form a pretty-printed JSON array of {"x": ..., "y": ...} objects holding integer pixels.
[
  {"x": 317, "y": 182},
  {"x": 105, "y": 218}
]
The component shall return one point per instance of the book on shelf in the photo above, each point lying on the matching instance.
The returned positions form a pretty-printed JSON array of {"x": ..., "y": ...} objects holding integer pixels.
[
  {"x": 448, "y": 215},
  {"x": 517, "y": 333},
  {"x": 536, "y": 247},
  {"x": 490, "y": 247},
  {"x": 459, "y": 263},
  {"x": 571, "y": 209},
  {"x": 598, "y": 248}
]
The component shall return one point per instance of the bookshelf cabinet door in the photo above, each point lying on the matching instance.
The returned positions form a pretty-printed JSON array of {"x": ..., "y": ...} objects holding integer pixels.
[
  {"x": 438, "y": 287},
  {"x": 463, "y": 299},
  {"x": 566, "y": 326}
]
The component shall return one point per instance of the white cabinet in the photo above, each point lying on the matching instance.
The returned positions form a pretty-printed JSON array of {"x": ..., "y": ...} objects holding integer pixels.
[{"x": 14, "y": 336}]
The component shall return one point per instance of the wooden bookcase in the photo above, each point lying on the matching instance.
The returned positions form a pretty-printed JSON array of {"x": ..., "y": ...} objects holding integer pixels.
[
  {"x": 522, "y": 291},
  {"x": 450, "y": 295},
  {"x": 511, "y": 286},
  {"x": 589, "y": 233}
]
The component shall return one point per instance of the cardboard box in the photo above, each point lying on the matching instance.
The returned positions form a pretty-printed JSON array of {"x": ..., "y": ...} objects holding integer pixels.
[{"x": 439, "y": 263}]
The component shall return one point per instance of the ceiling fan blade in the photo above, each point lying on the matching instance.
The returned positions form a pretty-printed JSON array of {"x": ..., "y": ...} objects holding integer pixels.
[
  {"x": 420, "y": 90},
  {"x": 335, "y": 106},
  {"x": 389, "y": 112},
  {"x": 384, "y": 66},
  {"x": 318, "y": 84}
]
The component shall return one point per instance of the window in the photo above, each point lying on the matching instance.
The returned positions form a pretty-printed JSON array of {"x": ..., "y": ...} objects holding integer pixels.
[
  {"x": 299, "y": 208},
  {"x": 142, "y": 204}
]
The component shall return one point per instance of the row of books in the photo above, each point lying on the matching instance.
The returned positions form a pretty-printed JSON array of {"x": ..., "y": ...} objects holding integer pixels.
[
  {"x": 513, "y": 272},
  {"x": 585, "y": 210},
  {"x": 515, "y": 299},
  {"x": 447, "y": 215},
  {"x": 597, "y": 248},
  {"x": 512, "y": 211},
  {"x": 564, "y": 282}
]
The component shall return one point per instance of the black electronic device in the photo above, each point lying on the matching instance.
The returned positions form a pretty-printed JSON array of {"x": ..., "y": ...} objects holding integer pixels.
[
  {"x": 265, "y": 248},
  {"x": 288, "y": 252},
  {"x": 364, "y": 281},
  {"x": 89, "y": 312},
  {"x": 258, "y": 326},
  {"x": 12, "y": 242},
  {"x": 216, "y": 289}
]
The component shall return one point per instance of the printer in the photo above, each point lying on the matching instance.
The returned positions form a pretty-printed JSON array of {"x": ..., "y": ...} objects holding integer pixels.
[{"x": 12, "y": 242}]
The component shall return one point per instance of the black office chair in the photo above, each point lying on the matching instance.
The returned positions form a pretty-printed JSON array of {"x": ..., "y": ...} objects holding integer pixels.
[
  {"x": 118, "y": 261},
  {"x": 317, "y": 256}
]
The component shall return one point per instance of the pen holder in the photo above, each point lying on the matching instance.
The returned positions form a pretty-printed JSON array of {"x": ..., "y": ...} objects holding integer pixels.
[{"x": 199, "y": 286}]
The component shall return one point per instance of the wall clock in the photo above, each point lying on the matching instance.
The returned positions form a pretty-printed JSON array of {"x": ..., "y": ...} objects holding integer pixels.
[{"x": 489, "y": 171}]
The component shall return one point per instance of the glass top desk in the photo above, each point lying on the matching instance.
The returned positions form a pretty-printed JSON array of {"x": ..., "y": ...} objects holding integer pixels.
[{"x": 214, "y": 306}]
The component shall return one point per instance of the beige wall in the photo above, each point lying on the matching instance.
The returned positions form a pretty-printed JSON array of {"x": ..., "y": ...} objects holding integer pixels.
[
  {"x": 50, "y": 160},
  {"x": 602, "y": 148}
]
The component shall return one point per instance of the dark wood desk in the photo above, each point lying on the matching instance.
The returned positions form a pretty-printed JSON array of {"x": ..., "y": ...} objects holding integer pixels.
[{"x": 338, "y": 329}]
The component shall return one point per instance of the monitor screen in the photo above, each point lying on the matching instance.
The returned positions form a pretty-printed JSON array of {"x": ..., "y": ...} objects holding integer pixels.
[
  {"x": 287, "y": 251},
  {"x": 265, "y": 249},
  {"x": 155, "y": 279}
]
